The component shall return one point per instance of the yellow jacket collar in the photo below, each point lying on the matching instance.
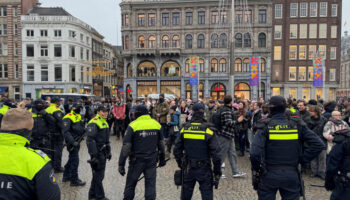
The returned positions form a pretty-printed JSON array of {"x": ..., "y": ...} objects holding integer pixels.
[{"x": 13, "y": 139}]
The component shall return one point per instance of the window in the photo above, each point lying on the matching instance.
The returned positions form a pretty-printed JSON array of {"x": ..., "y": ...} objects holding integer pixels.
[
  {"x": 4, "y": 50},
  {"x": 82, "y": 74},
  {"x": 223, "y": 17},
  {"x": 201, "y": 17},
  {"x": 214, "y": 40},
  {"x": 313, "y": 31},
  {"x": 278, "y": 11},
  {"x": 87, "y": 40},
  {"x": 4, "y": 11},
  {"x": 333, "y": 53},
  {"x": 151, "y": 19},
  {"x": 303, "y": 9},
  {"x": 30, "y": 33},
  {"x": 312, "y": 51},
  {"x": 277, "y": 53},
  {"x": 200, "y": 41},
  {"x": 126, "y": 20},
  {"x": 58, "y": 73},
  {"x": 223, "y": 41},
  {"x": 293, "y": 52},
  {"x": 247, "y": 16},
  {"x": 165, "y": 41},
  {"x": 323, "y": 31},
  {"x": 294, "y": 10},
  {"x": 146, "y": 69},
  {"x": 238, "y": 42},
  {"x": 239, "y": 16},
  {"x": 176, "y": 18},
  {"x": 72, "y": 73},
  {"x": 313, "y": 9},
  {"x": 332, "y": 74},
  {"x": 72, "y": 51},
  {"x": 16, "y": 48},
  {"x": 303, "y": 31},
  {"x": 44, "y": 50},
  {"x": 187, "y": 65},
  {"x": 201, "y": 65},
  {"x": 293, "y": 31},
  {"x": 302, "y": 74},
  {"x": 58, "y": 50},
  {"x": 302, "y": 52},
  {"x": 141, "y": 42},
  {"x": 15, "y": 29},
  {"x": 15, "y": 12},
  {"x": 310, "y": 73},
  {"x": 165, "y": 19},
  {"x": 81, "y": 38},
  {"x": 222, "y": 65},
  {"x": 189, "y": 18},
  {"x": 44, "y": 73},
  {"x": 81, "y": 53},
  {"x": 214, "y": 65},
  {"x": 263, "y": 65},
  {"x": 71, "y": 34},
  {"x": 151, "y": 42},
  {"x": 188, "y": 41},
  {"x": 292, "y": 73},
  {"x": 16, "y": 71},
  {"x": 3, "y": 71},
  {"x": 214, "y": 17},
  {"x": 4, "y": 29},
  {"x": 278, "y": 32},
  {"x": 30, "y": 72},
  {"x": 334, "y": 10},
  {"x": 30, "y": 50},
  {"x": 247, "y": 40},
  {"x": 322, "y": 51},
  {"x": 323, "y": 9},
  {"x": 334, "y": 30},
  {"x": 238, "y": 65},
  {"x": 262, "y": 40},
  {"x": 245, "y": 65},
  {"x": 176, "y": 41},
  {"x": 262, "y": 16},
  {"x": 141, "y": 19},
  {"x": 87, "y": 54},
  {"x": 58, "y": 33},
  {"x": 43, "y": 33}
]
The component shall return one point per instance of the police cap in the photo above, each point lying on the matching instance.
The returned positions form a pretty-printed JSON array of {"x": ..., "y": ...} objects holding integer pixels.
[
  {"x": 198, "y": 107},
  {"x": 277, "y": 101},
  {"x": 141, "y": 109},
  {"x": 101, "y": 107},
  {"x": 8, "y": 102}
]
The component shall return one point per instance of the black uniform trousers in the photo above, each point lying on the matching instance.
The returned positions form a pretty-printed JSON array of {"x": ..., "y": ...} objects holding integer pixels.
[
  {"x": 119, "y": 127},
  {"x": 57, "y": 146},
  {"x": 96, "y": 188},
  {"x": 135, "y": 170},
  {"x": 42, "y": 144},
  {"x": 286, "y": 181},
  {"x": 343, "y": 194},
  {"x": 204, "y": 176},
  {"x": 71, "y": 167}
]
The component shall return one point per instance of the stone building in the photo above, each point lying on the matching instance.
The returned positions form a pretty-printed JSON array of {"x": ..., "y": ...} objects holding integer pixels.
[
  {"x": 344, "y": 87},
  {"x": 160, "y": 36}
]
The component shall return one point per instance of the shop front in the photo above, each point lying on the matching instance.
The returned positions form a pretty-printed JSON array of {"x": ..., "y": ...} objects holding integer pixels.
[
  {"x": 144, "y": 88},
  {"x": 242, "y": 91},
  {"x": 218, "y": 91},
  {"x": 171, "y": 87}
]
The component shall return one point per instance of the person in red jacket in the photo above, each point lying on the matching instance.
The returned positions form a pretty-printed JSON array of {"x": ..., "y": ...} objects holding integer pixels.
[{"x": 119, "y": 116}]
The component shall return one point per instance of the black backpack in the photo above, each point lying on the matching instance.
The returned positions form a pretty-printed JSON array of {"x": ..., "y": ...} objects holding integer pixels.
[{"x": 216, "y": 118}]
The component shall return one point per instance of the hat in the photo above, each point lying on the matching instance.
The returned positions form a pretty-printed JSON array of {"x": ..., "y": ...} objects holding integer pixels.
[
  {"x": 101, "y": 107},
  {"x": 55, "y": 100},
  {"x": 141, "y": 109},
  {"x": 235, "y": 105},
  {"x": 16, "y": 119},
  {"x": 161, "y": 95},
  {"x": 312, "y": 102},
  {"x": 173, "y": 107},
  {"x": 198, "y": 107},
  {"x": 277, "y": 101}
]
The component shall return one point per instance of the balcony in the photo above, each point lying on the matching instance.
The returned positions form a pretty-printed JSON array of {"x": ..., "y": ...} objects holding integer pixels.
[{"x": 170, "y": 51}]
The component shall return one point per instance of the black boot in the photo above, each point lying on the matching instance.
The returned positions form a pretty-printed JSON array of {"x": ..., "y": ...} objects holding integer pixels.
[{"x": 77, "y": 183}]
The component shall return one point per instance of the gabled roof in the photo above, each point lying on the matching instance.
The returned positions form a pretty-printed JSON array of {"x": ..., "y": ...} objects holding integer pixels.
[{"x": 49, "y": 11}]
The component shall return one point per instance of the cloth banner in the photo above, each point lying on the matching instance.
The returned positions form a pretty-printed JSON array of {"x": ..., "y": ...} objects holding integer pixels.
[
  {"x": 318, "y": 72},
  {"x": 254, "y": 72},
  {"x": 194, "y": 76}
]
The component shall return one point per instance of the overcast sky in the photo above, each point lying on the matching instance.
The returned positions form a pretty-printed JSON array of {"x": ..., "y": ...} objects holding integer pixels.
[{"x": 104, "y": 15}]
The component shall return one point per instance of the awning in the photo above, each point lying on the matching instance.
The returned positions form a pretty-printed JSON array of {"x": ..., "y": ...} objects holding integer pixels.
[{"x": 3, "y": 89}]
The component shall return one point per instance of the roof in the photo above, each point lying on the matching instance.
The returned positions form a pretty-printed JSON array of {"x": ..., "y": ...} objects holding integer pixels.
[{"x": 49, "y": 11}]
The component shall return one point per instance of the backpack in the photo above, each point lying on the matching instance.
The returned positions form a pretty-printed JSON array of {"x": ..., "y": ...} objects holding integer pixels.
[{"x": 216, "y": 118}]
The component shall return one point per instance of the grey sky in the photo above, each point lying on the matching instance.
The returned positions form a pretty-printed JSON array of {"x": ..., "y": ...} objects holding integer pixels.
[{"x": 104, "y": 15}]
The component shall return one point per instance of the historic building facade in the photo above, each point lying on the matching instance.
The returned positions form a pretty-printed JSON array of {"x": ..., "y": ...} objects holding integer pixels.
[{"x": 160, "y": 36}]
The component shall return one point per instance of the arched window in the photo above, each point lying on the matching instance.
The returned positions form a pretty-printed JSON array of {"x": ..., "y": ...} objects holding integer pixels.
[
  {"x": 188, "y": 42},
  {"x": 214, "y": 65},
  {"x": 151, "y": 42},
  {"x": 165, "y": 41},
  {"x": 187, "y": 66},
  {"x": 129, "y": 70},
  {"x": 246, "y": 65},
  {"x": 176, "y": 41},
  {"x": 218, "y": 91},
  {"x": 200, "y": 41},
  {"x": 238, "y": 42},
  {"x": 263, "y": 65},
  {"x": 146, "y": 69},
  {"x": 201, "y": 65},
  {"x": 141, "y": 42},
  {"x": 170, "y": 68},
  {"x": 238, "y": 65},
  {"x": 242, "y": 91},
  {"x": 222, "y": 65},
  {"x": 214, "y": 41},
  {"x": 126, "y": 42},
  {"x": 247, "y": 40},
  {"x": 223, "y": 40},
  {"x": 188, "y": 91},
  {"x": 262, "y": 40}
]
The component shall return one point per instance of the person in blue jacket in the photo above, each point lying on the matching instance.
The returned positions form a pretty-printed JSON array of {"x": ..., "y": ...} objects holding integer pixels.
[{"x": 174, "y": 129}]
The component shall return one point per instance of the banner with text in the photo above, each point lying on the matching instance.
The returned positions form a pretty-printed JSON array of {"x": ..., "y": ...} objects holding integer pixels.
[
  {"x": 194, "y": 76},
  {"x": 254, "y": 64},
  {"x": 318, "y": 72}
]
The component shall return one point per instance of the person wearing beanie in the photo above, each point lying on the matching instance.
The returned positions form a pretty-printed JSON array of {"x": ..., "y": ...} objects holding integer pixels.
[
  {"x": 277, "y": 147},
  {"x": 144, "y": 145},
  {"x": 24, "y": 173}
]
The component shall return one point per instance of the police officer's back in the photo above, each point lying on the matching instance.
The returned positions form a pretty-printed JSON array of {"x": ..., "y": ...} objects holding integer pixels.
[
  {"x": 24, "y": 173},
  {"x": 278, "y": 145},
  {"x": 201, "y": 148},
  {"x": 338, "y": 167},
  {"x": 142, "y": 143}
]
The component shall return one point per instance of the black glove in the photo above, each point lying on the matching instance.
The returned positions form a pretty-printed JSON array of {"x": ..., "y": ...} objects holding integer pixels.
[
  {"x": 162, "y": 163},
  {"x": 121, "y": 170},
  {"x": 329, "y": 183},
  {"x": 94, "y": 163},
  {"x": 43, "y": 112},
  {"x": 216, "y": 180}
]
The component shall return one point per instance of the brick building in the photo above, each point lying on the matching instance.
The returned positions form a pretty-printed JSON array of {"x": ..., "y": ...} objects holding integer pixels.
[{"x": 302, "y": 28}]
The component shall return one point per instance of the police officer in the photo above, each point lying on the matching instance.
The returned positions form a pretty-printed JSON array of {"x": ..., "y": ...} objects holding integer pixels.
[
  {"x": 201, "y": 148},
  {"x": 97, "y": 142},
  {"x": 143, "y": 143},
  {"x": 24, "y": 173},
  {"x": 55, "y": 131},
  {"x": 279, "y": 140},
  {"x": 40, "y": 133},
  {"x": 8, "y": 104},
  {"x": 73, "y": 131},
  {"x": 338, "y": 167}
]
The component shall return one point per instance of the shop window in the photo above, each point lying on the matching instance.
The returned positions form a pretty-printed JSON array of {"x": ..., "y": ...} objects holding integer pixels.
[
  {"x": 188, "y": 91},
  {"x": 146, "y": 69},
  {"x": 170, "y": 68},
  {"x": 144, "y": 88},
  {"x": 218, "y": 91},
  {"x": 242, "y": 91},
  {"x": 171, "y": 87}
]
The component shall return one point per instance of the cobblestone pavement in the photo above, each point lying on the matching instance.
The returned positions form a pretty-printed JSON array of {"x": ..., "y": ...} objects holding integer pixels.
[{"x": 230, "y": 188}]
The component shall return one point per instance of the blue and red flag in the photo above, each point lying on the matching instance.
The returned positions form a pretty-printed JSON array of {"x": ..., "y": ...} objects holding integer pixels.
[
  {"x": 254, "y": 73},
  {"x": 318, "y": 71},
  {"x": 194, "y": 64}
]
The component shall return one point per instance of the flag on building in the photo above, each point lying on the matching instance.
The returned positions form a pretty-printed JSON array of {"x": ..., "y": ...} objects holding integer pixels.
[
  {"x": 254, "y": 72},
  {"x": 194, "y": 76},
  {"x": 318, "y": 71}
]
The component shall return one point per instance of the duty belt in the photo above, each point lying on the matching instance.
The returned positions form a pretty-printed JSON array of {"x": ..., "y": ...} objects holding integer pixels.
[
  {"x": 281, "y": 167},
  {"x": 197, "y": 163}
]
